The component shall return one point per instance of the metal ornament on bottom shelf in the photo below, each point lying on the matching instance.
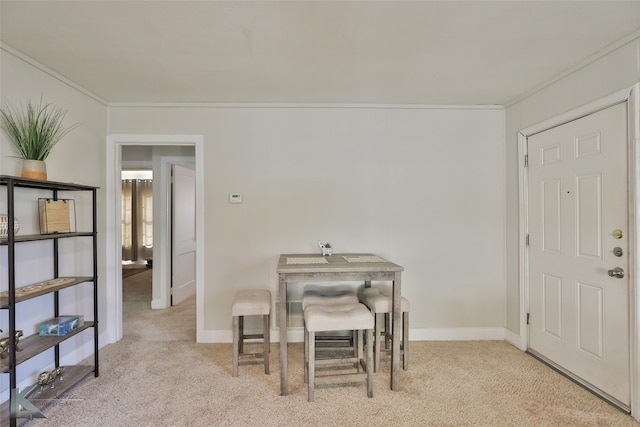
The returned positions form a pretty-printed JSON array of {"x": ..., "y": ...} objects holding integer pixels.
[
  {"x": 48, "y": 378},
  {"x": 4, "y": 226}
]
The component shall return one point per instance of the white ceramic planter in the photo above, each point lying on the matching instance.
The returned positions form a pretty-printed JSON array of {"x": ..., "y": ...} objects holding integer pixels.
[{"x": 34, "y": 169}]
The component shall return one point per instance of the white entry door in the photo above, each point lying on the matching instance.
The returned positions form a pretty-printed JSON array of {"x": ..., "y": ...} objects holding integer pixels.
[
  {"x": 183, "y": 254},
  {"x": 578, "y": 237}
]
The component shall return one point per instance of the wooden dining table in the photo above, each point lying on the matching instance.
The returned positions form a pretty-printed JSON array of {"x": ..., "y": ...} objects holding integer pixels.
[{"x": 314, "y": 268}]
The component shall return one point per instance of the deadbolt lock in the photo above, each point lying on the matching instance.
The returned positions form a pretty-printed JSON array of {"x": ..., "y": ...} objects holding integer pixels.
[
  {"x": 617, "y": 233},
  {"x": 618, "y": 252}
]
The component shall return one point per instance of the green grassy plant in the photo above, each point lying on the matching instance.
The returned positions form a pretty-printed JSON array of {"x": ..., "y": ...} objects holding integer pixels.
[{"x": 35, "y": 129}]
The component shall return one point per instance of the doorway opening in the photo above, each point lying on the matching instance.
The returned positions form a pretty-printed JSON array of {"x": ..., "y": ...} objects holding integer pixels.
[{"x": 166, "y": 150}]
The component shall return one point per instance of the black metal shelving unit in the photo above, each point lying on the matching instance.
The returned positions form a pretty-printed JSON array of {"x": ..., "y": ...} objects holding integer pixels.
[{"x": 34, "y": 344}]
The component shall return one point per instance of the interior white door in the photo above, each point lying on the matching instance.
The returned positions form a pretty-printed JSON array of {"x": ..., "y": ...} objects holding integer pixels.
[
  {"x": 578, "y": 232},
  {"x": 183, "y": 236}
]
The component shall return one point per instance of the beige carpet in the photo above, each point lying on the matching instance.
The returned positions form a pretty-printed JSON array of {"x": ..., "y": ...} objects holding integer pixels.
[
  {"x": 158, "y": 376},
  {"x": 131, "y": 270}
]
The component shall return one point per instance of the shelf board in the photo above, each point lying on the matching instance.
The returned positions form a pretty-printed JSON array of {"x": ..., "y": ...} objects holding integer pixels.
[
  {"x": 35, "y": 237},
  {"x": 47, "y": 185},
  {"x": 4, "y": 301},
  {"x": 41, "y": 399},
  {"x": 35, "y": 344}
]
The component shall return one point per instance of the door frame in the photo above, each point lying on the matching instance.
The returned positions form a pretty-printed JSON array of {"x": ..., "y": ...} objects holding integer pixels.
[
  {"x": 113, "y": 216},
  {"x": 630, "y": 95}
]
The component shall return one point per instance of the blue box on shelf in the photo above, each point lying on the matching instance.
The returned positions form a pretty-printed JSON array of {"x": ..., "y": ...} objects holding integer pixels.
[{"x": 59, "y": 326}]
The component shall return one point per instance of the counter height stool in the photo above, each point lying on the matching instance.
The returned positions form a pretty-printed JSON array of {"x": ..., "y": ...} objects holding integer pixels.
[
  {"x": 381, "y": 305},
  {"x": 345, "y": 317},
  {"x": 250, "y": 303},
  {"x": 330, "y": 296}
]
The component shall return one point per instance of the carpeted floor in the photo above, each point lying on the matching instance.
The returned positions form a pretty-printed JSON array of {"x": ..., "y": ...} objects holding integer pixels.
[
  {"x": 131, "y": 270},
  {"x": 158, "y": 376}
]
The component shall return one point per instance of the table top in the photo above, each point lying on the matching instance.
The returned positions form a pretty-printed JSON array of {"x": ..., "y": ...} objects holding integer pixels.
[{"x": 336, "y": 263}]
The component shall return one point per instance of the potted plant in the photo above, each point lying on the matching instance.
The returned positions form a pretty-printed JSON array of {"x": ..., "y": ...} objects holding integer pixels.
[
  {"x": 326, "y": 248},
  {"x": 34, "y": 131}
]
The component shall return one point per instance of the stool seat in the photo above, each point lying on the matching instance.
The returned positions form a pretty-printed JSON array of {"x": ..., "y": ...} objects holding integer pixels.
[
  {"x": 381, "y": 303},
  {"x": 364, "y": 291},
  {"x": 319, "y": 318},
  {"x": 328, "y": 295},
  {"x": 254, "y": 302}
]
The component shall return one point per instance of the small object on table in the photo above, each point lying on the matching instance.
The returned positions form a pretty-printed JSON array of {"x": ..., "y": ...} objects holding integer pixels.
[{"x": 327, "y": 250}]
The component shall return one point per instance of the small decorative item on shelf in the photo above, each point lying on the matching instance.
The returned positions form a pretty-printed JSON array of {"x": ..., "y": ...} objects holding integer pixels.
[
  {"x": 326, "y": 248},
  {"x": 4, "y": 344},
  {"x": 34, "y": 131},
  {"x": 36, "y": 287},
  {"x": 4, "y": 226},
  {"x": 48, "y": 378},
  {"x": 59, "y": 326},
  {"x": 57, "y": 216}
]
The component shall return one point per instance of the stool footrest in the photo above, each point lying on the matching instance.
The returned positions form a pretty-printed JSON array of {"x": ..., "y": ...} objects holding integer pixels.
[
  {"x": 253, "y": 337},
  {"x": 241, "y": 355},
  {"x": 333, "y": 348},
  {"x": 336, "y": 361},
  {"x": 328, "y": 379}
]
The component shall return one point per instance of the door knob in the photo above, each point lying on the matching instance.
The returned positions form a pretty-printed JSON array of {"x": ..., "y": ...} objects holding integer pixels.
[{"x": 616, "y": 272}]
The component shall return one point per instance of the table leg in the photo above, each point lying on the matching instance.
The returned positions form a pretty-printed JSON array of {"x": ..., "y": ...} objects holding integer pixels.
[
  {"x": 282, "y": 313},
  {"x": 397, "y": 321}
]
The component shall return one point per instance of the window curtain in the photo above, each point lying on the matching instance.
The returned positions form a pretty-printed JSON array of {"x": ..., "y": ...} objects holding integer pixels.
[{"x": 137, "y": 219}]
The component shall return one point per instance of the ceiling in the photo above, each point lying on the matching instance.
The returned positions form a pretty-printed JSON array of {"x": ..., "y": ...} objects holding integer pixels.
[{"x": 385, "y": 52}]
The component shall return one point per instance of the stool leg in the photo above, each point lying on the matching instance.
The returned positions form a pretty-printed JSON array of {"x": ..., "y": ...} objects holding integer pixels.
[
  {"x": 387, "y": 331},
  {"x": 360, "y": 346},
  {"x": 266, "y": 343},
  {"x": 312, "y": 365},
  {"x": 236, "y": 344},
  {"x": 369, "y": 362},
  {"x": 306, "y": 356},
  {"x": 241, "y": 328},
  {"x": 378, "y": 324},
  {"x": 405, "y": 340}
]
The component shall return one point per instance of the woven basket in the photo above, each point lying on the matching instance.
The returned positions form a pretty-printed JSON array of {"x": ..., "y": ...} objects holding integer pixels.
[{"x": 4, "y": 229}]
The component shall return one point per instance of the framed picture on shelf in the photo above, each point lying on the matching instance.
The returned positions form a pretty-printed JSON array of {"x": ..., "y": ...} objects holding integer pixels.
[{"x": 57, "y": 216}]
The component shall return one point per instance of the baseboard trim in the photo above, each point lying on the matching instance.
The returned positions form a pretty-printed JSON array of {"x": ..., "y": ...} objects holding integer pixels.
[
  {"x": 429, "y": 334},
  {"x": 515, "y": 340}
]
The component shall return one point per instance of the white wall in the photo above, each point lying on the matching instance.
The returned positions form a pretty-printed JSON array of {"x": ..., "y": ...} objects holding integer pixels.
[
  {"x": 424, "y": 187},
  {"x": 617, "y": 70},
  {"x": 79, "y": 157}
]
